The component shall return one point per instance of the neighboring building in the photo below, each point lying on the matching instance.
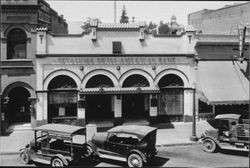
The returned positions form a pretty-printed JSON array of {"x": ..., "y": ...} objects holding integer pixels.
[
  {"x": 19, "y": 20},
  {"x": 222, "y": 80},
  {"x": 221, "y": 21},
  {"x": 175, "y": 27},
  {"x": 117, "y": 74}
]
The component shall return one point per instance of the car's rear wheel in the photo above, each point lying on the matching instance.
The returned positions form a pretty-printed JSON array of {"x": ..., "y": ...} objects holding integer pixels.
[
  {"x": 24, "y": 157},
  {"x": 209, "y": 145},
  {"x": 57, "y": 162},
  {"x": 135, "y": 160}
]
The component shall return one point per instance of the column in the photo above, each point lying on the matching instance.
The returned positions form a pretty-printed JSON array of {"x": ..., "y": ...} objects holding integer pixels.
[
  {"x": 153, "y": 102},
  {"x": 81, "y": 110},
  {"x": 33, "y": 101},
  {"x": 188, "y": 105},
  {"x": 4, "y": 118},
  {"x": 42, "y": 108},
  {"x": 117, "y": 109}
]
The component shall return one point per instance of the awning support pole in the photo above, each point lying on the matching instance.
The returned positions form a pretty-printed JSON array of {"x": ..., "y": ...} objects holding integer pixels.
[{"x": 194, "y": 137}]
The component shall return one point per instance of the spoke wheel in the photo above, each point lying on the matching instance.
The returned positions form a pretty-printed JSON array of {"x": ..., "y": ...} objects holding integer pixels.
[
  {"x": 89, "y": 151},
  {"x": 209, "y": 145},
  {"x": 24, "y": 157},
  {"x": 135, "y": 160},
  {"x": 56, "y": 162}
]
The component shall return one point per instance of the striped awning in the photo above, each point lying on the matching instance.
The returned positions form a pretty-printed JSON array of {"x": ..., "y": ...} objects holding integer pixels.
[
  {"x": 113, "y": 90},
  {"x": 222, "y": 82}
]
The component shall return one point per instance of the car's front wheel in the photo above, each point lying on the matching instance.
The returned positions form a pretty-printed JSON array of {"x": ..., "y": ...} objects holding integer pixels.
[
  {"x": 209, "y": 145},
  {"x": 57, "y": 162},
  {"x": 24, "y": 157},
  {"x": 135, "y": 160}
]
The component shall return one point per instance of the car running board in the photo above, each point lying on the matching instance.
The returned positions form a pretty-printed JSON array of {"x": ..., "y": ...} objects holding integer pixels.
[
  {"x": 113, "y": 157},
  {"x": 44, "y": 161},
  {"x": 232, "y": 147}
]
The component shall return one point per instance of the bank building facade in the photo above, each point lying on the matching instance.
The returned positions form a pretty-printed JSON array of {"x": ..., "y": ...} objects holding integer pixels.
[{"x": 115, "y": 74}]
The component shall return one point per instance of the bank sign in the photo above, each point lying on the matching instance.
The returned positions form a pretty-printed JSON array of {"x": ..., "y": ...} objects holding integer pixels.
[{"x": 122, "y": 60}]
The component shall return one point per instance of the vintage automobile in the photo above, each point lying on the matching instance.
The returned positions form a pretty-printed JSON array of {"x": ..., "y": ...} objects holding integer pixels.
[
  {"x": 55, "y": 144},
  {"x": 134, "y": 144},
  {"x": 230, "y": 132}
]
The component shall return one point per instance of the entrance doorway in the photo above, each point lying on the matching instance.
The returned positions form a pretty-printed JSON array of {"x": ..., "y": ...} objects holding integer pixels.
[
  {"x": 134, "y": 106},
  {"x": 19, "y": 105},
  {"x": 98, "y": 108}
]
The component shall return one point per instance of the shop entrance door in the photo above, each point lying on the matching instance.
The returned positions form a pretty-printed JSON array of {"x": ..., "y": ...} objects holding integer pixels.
[
  {"x": 98, "y": 108},
  {"x": 133, "y": 106},
  {"x": 18, "y": 106}
]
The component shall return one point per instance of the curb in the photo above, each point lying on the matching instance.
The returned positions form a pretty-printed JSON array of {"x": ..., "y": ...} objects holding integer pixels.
[
  {"x": 177, "y": 144},
  {"x": 9, "y": 153}
]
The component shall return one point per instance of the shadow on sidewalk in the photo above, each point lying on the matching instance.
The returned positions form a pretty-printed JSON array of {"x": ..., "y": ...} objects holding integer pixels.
[{"x": 3, "y": 134}]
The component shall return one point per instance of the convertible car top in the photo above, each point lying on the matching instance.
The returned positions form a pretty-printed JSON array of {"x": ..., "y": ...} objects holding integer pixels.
[
  {"x": 139, "y": 130},
  {"x": 228, "y": 116},
  {"x": 61, "y": 128}
]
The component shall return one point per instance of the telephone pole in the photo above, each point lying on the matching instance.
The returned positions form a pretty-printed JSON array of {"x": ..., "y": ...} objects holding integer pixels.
[{"x": 114, "y": 11}]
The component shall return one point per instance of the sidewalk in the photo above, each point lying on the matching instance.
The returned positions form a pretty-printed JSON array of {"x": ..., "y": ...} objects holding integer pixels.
[{"x": 178, "y": 135}]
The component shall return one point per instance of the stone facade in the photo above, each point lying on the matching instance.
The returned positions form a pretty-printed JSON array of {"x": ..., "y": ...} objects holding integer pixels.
[
  {"x": 135, "y": 73},
  {"x": 19, "y": 20}
]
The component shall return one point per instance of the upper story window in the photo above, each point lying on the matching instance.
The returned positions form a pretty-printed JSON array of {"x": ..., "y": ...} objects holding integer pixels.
[
  {"x": 117, "y": 47},
  {"x": 16, "y": 44}
]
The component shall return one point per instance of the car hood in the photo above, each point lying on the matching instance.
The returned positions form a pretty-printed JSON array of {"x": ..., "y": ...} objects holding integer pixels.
[{"x": 99, "y": 138}]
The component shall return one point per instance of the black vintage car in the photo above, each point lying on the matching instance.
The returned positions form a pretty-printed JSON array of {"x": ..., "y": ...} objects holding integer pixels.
[
  {"x": 134, "y": 144},
  {"x": 55, "y": 144}
]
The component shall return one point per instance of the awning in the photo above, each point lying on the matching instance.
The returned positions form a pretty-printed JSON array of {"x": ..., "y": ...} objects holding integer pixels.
[
  {"x": 113, "y": 90},
  {"x": 222, "y": 82}
]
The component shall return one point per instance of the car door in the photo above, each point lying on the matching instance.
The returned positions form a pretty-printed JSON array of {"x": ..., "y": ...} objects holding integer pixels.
[{"x": 117, "y": 144}]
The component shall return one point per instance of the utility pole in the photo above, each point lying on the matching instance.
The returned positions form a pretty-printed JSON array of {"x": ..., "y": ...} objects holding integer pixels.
[{"x": 114, "y": 11}]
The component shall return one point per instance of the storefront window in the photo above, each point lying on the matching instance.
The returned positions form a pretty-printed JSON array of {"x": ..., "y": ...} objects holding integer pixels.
[
  {"x": 16, "y": 44},
  {"x": 62, "y": 98},
  {"x": 171, "y": 100}
]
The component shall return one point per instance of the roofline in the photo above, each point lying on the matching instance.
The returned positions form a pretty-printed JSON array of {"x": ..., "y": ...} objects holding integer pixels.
[
  {"x": 115, "y": 55},
  {"x": 231, "y": 6},
  {"x": 213, "y": 43}
]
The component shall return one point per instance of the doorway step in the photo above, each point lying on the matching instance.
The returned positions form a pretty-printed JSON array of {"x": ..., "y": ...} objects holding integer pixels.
[
  {"x": 19, "y": 127},
  {"x": 136, "y": 122}
]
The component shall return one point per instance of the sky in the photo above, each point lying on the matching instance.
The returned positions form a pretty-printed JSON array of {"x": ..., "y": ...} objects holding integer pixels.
[{"x": 77, "y": 11}]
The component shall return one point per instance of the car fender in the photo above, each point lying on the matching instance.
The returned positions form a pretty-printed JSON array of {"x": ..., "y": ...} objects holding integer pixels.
[
  {"x": 93, "y": 147},
  {"x": 139, "y": 153},
  {"x": 212, "y": 138},
  {"x": 60, "y": 156}
]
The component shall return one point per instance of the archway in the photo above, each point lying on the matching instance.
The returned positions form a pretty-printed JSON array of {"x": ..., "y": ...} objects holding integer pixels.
[
  {"x": 62, "y": 99},
  {"x": 19, "y": 105},
  {"x": 98, "y": 106},
  {"x": 16, "y": 44},
  {"x": 171, "y": 98},
  {"x": 135, "y": 106}
]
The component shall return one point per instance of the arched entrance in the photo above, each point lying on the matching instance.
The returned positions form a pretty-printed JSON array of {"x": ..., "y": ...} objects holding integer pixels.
[
  {"x": 62, "y": 99},
  {"x": 98, "y": 106},
  {"x": 171, "y": 100},
  {"x": 135, "y": 106},
  {"x": 18, "y": 105}
]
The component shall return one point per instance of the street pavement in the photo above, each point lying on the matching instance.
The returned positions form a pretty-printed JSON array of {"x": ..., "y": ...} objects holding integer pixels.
[{"x": 172, "y": 135}]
